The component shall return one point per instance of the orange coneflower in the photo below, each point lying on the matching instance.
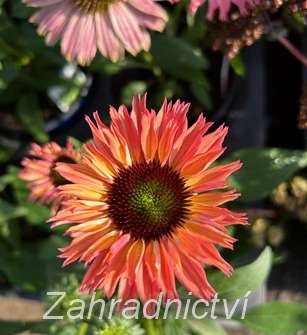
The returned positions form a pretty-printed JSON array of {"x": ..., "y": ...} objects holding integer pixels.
[
  {"x": 38, "y": 170},
  {"x": 144, "y": 209}
]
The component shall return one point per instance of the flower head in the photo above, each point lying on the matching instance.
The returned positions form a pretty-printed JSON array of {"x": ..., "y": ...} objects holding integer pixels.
[
  {"x": 145, "y": 210},
  {"x": 38, "y": 172},
  {"x": 110, "y": 26},
  {"x": 222, "y": 8}
]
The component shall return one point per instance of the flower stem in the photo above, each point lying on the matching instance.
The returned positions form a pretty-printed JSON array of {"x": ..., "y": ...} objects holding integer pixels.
[
  {"x": 149, "y": 327},
  {"x": 293, "y": 50},
  {"x": 83, "y": 328}
]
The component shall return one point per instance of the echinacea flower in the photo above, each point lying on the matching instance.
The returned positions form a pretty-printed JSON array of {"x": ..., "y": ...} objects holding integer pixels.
[
  {"x": 38, "y": 172},
  {"x": 110, "y": 26},
  {"x": 144, "y": 208},
  {"x": 222, "y": 8}
]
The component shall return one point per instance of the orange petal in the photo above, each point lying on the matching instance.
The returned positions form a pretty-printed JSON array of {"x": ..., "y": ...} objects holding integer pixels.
[
  {"x": 200, "y": 162},
  {"x": 216, "y": 175},
  {"x": 149, "y": 137},
  {"x": 166, "y": 273},
  {"x": 214, "y": 198},
  {"x": 134, "y": 259}
]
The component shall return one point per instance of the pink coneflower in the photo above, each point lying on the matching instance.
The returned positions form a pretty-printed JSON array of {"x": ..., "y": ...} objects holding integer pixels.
[
  {"x": 38, "y": 170},
  {"x": 222, "y": 8},
  {"x": 111, "y": 26},
  {"x": 145, "y": 209}
]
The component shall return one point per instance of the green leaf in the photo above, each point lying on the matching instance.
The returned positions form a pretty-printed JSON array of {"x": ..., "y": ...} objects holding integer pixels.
[
  {"x": 172, "y": 326},
  {"x": 200, "y": 88},
  {"x": 15, "y": 265},
  {"x": 4, "y": 181},
  {"x": 20, "y": 191},
  {"x": 33, "y": 212},
  {"x": 1, "y": 4},
  {"x": 206, "y": 327},
  {"x": 16, "y": 268},
  {"x": 177, "y": 57},
  {"x": 238, "y": 66},
  {"x": 9, "y": 236},
  {"x": 168, "y": 89},
  {"x": 50, "y": 249},
  {"x": 8, "y": 70},
  {"x": 244, "y": 279},
  {"x": 132, "y": 89},
  {"x": 13, "y": 327},
  {"x": 5, "y": 154},
  {"x": 9, "y": 211},
  {"x": 30, "y": 114},
  {"x": 20, "y": 11},
  {"x": 36, "y": 214},
  {"x": 264, "y": 169},
  {"x": 68, "y": 330},
  {"x": 105, "y": 66},
  {"x": 277, "y": 318}
]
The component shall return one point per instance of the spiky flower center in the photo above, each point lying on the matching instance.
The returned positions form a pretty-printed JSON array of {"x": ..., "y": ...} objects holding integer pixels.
[
  {"x": 93, "y": 6},
  {"x": 148, "y": 200}
]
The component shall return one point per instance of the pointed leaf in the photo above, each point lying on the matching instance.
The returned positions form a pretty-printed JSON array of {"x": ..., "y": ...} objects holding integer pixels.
[
  {"x": 277, "y": 318},
  {"x": 244, "y": 279}
]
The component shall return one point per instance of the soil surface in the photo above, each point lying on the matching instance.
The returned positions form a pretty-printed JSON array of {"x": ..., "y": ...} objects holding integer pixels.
[{"x": 15, "y": 308}]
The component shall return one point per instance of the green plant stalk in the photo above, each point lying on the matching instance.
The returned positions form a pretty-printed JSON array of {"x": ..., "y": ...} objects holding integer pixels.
[
  {"x": 149, "y": 326},
  {"x": 83, "y": 328}
]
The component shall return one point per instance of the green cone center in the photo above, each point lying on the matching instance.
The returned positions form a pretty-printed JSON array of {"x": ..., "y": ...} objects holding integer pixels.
[
  {"x": 153, "y": 200},
  {"x": 148, "y": 200}
]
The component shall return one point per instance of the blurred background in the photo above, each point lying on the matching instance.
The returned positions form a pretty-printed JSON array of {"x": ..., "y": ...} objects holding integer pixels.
[{"x": 259, "y": 94}]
